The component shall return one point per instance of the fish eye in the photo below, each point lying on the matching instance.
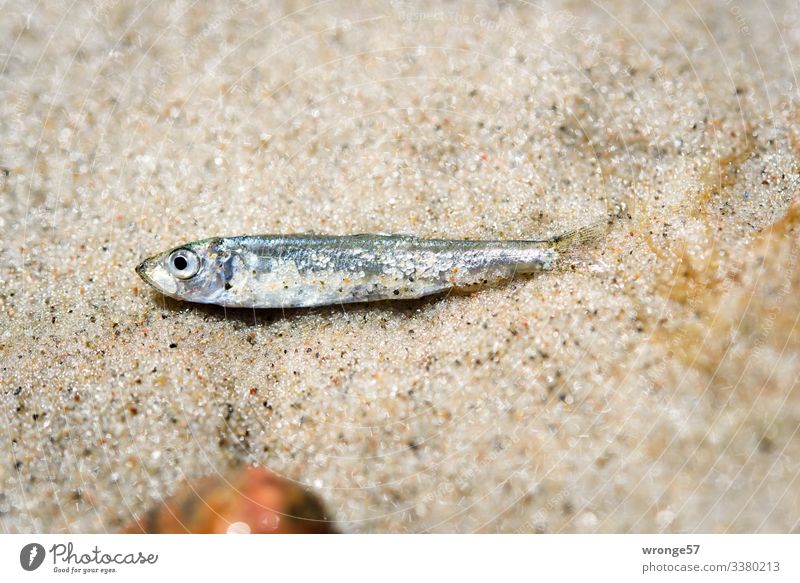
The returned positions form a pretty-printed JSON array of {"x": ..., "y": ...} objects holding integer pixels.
[{"x": 183, "y": 263}]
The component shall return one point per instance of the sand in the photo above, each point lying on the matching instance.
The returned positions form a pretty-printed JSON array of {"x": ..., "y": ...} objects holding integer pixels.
[{"x": 649, "y": 385}]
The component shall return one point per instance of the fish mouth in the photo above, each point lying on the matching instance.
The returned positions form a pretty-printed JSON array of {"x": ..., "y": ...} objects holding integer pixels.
[
  {"x": 144, "y": 269},
  {"x": 155, "y": 275}
]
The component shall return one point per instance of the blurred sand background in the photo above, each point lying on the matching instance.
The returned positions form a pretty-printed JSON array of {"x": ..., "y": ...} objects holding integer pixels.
[{"x": 650, "y": 385}]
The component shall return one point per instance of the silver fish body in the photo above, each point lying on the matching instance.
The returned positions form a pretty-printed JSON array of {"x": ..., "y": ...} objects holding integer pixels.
[{"x": 287, "y": 271}]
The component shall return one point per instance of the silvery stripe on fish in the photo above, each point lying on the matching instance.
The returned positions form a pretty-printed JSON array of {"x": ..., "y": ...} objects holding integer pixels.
[{"x": 283, "y": 271}]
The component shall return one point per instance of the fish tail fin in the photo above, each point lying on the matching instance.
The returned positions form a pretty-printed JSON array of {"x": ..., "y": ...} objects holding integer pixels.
[
  {"x": 565, "y": 242},
  {"x": 580, "y": 236}
]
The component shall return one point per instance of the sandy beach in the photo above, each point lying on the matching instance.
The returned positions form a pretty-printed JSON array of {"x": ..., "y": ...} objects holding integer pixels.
[{"x": 650, "y": 384}]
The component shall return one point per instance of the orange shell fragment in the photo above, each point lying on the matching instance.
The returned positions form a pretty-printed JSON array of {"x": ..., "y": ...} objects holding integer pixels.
[{"x": 252, "y": 500}]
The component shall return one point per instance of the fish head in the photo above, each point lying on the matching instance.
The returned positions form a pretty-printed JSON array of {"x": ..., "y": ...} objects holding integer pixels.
[{"x": 195, "y": 272}]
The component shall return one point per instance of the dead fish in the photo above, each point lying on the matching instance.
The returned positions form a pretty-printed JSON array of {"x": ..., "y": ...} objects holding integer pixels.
[
  {"x": 291, "y": 271},
  {"x": 250, "y": 500}
]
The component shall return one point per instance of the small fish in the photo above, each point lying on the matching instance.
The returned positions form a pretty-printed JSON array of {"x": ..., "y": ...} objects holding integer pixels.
[{"x": 291, "y": 271}]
